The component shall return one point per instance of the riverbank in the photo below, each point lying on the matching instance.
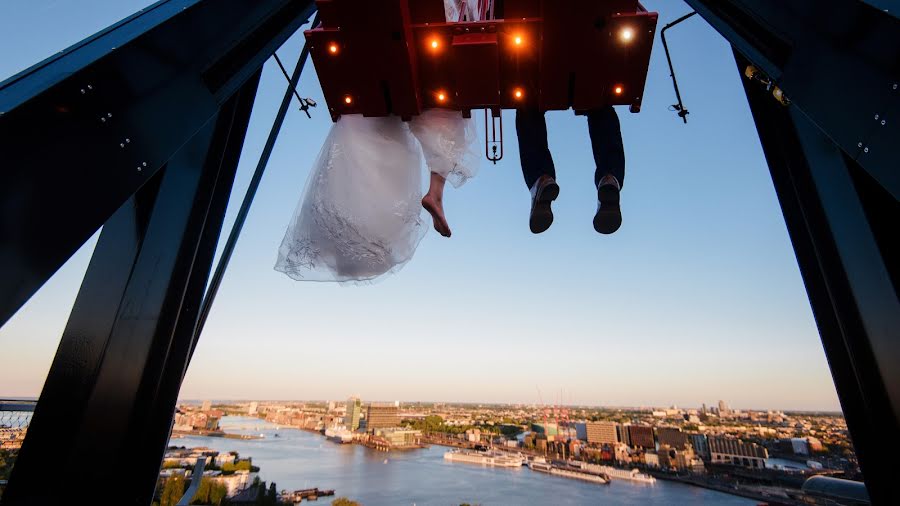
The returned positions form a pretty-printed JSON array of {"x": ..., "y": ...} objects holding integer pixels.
[
  {"x": 177, "y": 434},
  {"x": 303, "y": 459},
  {"x": 743, "y": 492},
  {"x": 772, "y": 499}
]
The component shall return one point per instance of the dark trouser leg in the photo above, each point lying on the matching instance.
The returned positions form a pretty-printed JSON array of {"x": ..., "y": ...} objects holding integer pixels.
[
  {"x": 534, "y": 152},
  {"x": 606, "y": 142}
]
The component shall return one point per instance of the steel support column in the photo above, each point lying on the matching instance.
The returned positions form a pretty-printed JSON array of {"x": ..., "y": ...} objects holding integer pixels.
[
  {"x": 82, "y": 131},
  {"x": 841, "y": 222},
  {"x": 112, "y": 388}
]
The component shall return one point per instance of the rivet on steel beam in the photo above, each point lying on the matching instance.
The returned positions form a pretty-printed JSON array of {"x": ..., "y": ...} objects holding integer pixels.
[
  {"x": 865, "y": 150},
  {"x": 859, "y": 144},
  {"x": 128, "y": 141},
  {"x": 121, "y": 144}
]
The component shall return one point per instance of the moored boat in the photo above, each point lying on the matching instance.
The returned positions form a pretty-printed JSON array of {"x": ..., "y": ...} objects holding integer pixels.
[
  {"x": 619, "y": 474},
  {"x": 495, "y": 459},
  {"x": 542, "y": 466}
]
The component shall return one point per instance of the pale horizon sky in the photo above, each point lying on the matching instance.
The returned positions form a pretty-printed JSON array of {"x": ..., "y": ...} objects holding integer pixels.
[{"x": 697, "y": 298}]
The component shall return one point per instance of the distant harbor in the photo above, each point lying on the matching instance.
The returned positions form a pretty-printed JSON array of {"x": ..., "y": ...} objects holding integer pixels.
[
  {"x": 753, "y": 453},
  {"x": 301, "y": 460}
]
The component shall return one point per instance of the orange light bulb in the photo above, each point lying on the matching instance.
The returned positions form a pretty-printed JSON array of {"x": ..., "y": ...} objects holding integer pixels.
[
  {"x": 333, "y": 48},
  {"x": 434, "y": 44},
  {"x": 618, "y": 90},
  {"x": 518, "y": 93},
  {"x": 518, "y": 40},
  {"x": 441, "y": 97},
  {"x": 348, "y": 99}
]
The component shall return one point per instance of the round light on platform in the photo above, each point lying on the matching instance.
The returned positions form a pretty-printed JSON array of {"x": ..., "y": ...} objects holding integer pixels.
[
  {"x": 518, "y": 40},
  {"x": 618, "y": 89},
  {"x": 441, "y": 96},
  {"x": 333, "y": 48},
  {"x": 626, "y": 34},
  {"x": 518, "y": 93},
  {"x": 348, "y": 99},
  {"x": 434, "y": 44}
]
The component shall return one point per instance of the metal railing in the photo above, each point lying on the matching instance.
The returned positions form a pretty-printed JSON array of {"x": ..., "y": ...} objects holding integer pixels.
[{"x": 15, "y": 416}]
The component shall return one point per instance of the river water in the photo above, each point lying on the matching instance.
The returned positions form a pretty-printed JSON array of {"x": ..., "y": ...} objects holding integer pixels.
[{"x": 298, "y": 459}]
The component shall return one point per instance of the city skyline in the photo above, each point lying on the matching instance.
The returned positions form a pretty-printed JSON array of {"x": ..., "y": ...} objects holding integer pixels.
[
  {"x": 408, "y": 402},
  {"x": 693, "y": 299}
]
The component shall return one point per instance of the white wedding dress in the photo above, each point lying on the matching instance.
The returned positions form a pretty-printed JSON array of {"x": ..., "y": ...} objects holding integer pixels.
[{"x": 360, "y": 216}]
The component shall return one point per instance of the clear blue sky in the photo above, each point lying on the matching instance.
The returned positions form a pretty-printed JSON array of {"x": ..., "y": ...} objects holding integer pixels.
[{"x": 697, "y": 298}]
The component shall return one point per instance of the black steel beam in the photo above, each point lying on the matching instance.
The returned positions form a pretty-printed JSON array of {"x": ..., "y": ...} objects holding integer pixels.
[
  {"x": 842, "y": 223},
  {"x": 112, "y": 388},
  {"x": 837, "y": 61},
  {"x": 81, "y": 132}
]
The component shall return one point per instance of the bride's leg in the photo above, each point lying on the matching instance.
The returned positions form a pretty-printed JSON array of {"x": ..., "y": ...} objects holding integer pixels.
[{"x": 433, "y": 202}]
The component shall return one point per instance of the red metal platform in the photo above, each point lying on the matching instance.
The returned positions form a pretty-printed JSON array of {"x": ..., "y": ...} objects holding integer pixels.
[{"x": 381, "y": 57}]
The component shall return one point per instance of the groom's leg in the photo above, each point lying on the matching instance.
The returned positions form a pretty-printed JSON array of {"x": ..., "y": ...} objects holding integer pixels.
[
  {"x": 537, "y": 167},
  {"x": 609, "y": 155},
  {"x": 534, "y": 152},
  {"x": 606, "y": 143}
]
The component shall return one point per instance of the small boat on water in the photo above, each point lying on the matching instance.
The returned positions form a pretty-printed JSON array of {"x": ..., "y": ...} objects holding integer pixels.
[{"x": 488, "y": 458}]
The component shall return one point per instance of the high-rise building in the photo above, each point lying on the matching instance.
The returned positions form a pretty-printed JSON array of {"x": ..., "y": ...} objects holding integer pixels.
[
  {"x": 253, "y": 408},
  {"x": 725, "y": 450},
  {"x": 723, "y": 408},
  {"x": 207, "y": 405},
  {"x": 624, "y": 436},
  {"x": 602, "y": 433},
  {"x": 581, "y": 431},
  {"x": 671, "y": 437},
  {"x": 641, "y": 436},
  {"x": 700, "y": 445},
  {"x": 354, "y": 412},
  {"x": 382, "y": 415}
]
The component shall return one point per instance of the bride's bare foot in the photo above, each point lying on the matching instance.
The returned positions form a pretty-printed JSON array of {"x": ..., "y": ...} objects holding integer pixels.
[{"x": 435, "y": 208}]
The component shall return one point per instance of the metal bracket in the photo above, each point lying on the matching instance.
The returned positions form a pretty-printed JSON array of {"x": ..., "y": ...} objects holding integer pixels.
[
  {"x": 305, "y": 103},
  {"x": 679, "y": 107},
  {"x": 492, "y": 142}
]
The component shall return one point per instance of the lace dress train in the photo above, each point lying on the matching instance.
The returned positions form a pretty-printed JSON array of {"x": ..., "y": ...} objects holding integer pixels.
[
  {"x": 449, "y": 143},
  {"x": 360, "y": 216}
]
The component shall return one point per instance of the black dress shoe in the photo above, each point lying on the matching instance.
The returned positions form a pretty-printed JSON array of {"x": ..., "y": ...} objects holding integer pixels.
[
  {"x": 609, "y": 215},
  {"x": 544, "y": 191}
]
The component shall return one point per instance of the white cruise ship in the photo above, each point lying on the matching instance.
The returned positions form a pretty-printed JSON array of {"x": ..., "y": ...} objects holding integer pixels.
[
  {"x": 542, "y": 466},
  {"x": 495, "y": 459},
  {"x": 619, "y": 474},
  {"x": 339, "y": 435}
]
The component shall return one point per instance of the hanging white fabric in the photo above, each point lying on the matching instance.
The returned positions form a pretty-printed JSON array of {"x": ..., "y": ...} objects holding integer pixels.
[{"x": 360, "y": 215}]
